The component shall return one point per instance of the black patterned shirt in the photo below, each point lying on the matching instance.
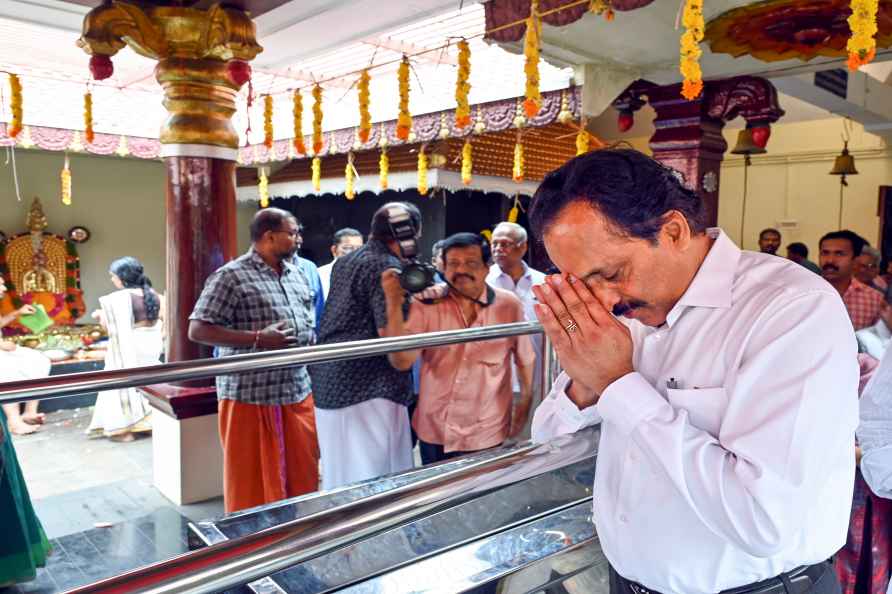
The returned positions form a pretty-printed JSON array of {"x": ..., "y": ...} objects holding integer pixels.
[
  {"x": 247, "y": 294},
  {"x": 354, "y": 310}
]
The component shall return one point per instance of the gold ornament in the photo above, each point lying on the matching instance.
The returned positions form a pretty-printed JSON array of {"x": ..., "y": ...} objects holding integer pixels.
[
  {"x": 365, "y": 118},
  {"x": 263, "y": 188},
  {"x": 298, "y": 110},
  {"x": 462, "y": 86},
  {"x": 422, "y": 171},
  {"x": 15, "y": 105},
  {"x": 66, "y": 183},
  {"x": 88, "y": 118},
  {"x": 531, "y": 62},
  {"x": 383, "y": 168},
  {"x": 350, "y": 178},
  {"x": 268, "y": 121},
  {"x": 404, "y": 119},
  {"x": 317, "y": 119},
  {"x": 467, "y": 164},
  {"x": 862, "y": 44},
  {"x": 690, "y": 49},
  {"x": 316, "y": 169}
]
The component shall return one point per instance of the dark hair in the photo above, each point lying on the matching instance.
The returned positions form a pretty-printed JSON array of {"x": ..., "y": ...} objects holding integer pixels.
[
  {"x": 460, "y": 240},
  {"x": 132, "y": 275},
  {"x": 269, "y": 219},
  {"x": 630, "y": 189},
  {"x": 345, "y": 232},
  {"x": 798, "y": 248},
  {"x": 763, "y": 232},
  {"x": 438, "y": 247},
  {"x": 853, "y": 238},
  {"x": 380, "y": 220}
]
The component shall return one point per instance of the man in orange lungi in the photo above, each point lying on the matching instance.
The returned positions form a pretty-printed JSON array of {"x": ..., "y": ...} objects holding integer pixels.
[{"x": 261, "y": 301}]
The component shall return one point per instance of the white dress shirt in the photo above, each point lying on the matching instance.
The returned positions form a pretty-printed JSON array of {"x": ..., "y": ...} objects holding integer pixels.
[
  {"x": 875, "y": 339},
  {"x": 744, "y": 468},
  {"x": 875, "y": 430},
  {"x": 523, "y": 288},
  {"x": 325, "y": 277}
]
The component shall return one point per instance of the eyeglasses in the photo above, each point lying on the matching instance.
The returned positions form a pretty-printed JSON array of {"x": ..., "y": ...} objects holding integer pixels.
[{"x": 503, "y": 243}]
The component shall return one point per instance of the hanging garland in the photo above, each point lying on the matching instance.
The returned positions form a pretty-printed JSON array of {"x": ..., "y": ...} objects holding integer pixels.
[
  {"x": 317, "y": 119},
  {"x": 88, "y": 117},
  {"x": 350, "y": 178},
  {"x": 531, "y": 64},
  {"x": 462, "y": 86},
  {"x": 581, "y": 141},
  {"x": 316, "y": 169},
  {"x": 422, "y": 171},
  {"x": 365, "y": 118},
  {"x": 404, "y": 120},
  {"x": 383, "y": 168},
  {"x": 298, "y": 110},
  {"x": 515, "y": 210},
  {"x": 603, "y": 8},
  {"x": 66, "y": 182},
  {"x": 15, "y": 105},
  {"x": 467, "y": 163},
  {"x": 263, "y": 188},
  {"x": 862, "y": 45},
  {"x": 518, "y": 170},
  {"x": 690, "y": 49},
  {"x": 268, "y": 121}
]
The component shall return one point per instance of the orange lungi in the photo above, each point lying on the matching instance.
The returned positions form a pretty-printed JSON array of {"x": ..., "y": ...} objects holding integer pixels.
[{"x": 270, "y": 452}]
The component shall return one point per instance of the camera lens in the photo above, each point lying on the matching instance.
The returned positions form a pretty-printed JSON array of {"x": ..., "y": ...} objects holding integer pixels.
[{"x": 416, "y": 277}]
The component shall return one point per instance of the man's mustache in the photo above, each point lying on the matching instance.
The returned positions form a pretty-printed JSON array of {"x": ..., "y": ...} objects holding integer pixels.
[
  {"x": 832, "y": 267},
  {"x": 625, "y": 307},
  {"x": 455, "y": 277}
]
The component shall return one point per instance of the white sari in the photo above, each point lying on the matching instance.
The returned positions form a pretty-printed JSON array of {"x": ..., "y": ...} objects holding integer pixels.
[{"x": 124, "y": 411}]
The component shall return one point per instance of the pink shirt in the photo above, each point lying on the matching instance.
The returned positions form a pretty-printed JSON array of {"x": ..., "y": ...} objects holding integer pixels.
[
  {"x": 863, "y": 304},
  {"x": 466, "y": 395}
]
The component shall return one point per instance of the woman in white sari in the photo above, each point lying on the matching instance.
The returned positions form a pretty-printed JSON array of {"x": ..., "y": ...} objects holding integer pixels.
[{"x": 133, "y": 317}]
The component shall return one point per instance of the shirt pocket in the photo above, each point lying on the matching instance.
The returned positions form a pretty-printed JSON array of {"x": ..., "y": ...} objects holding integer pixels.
[{"x": 705, "y": 406}]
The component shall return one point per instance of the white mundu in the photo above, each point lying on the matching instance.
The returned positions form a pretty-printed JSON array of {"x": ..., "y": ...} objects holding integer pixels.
[
  {"x": 23, "y": 364},
  {"x": 727, "y": 457}
]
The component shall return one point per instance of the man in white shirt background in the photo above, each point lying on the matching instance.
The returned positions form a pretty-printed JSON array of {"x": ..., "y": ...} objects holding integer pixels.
[
  {"x": 727, "y": 396},
  {"x": 874, "y": 340},
  {"x": 343, "y": 242}
]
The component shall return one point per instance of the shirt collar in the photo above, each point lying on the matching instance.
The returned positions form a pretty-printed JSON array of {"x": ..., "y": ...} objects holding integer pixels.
[
  {"x": 856, "y": 286},
  {"x": 287, "y": 266},
  {"x": 711, "y": 286},
  {"x": 499, "y": 272}
]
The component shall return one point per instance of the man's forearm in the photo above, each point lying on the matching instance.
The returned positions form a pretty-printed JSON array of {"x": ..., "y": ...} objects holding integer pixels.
[
  {"x": 397, "y": 326},
  {"x": 214, "y": 335}
]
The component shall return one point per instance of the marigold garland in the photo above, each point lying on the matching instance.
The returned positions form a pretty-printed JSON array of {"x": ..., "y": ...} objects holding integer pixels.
[
  {"x": 268, "y": 121},
  {"x": 88, "y": 117},
  {"x": 350, "y": 178},
  {"x": 65, "y": 176},
  {"x": 383, "y": 168},
  {"x": 603, "y": 8},
  {"x": 581, "y": 141},
  {"x": 15, "y": 106},
  {"x": 518, "y": 170},
  {"x": 467, "y": 163},
  {"x": 365, "y": 118},
  {"x": 514, "y": 212},
  {"x": 862, "y": 45},
  {"x": 404, "y": 120},
  {"x": 422, "y": 171},
  {"x": 316, "y": 168},
  {"x": 462, "y": 86},
  {"x": 317, "y": 119},
  {"x": 298, "y": 110},
  {"x": 263, "y": 188},
  {"x": 531, "y": 64},
  {"x": 690, "y": 49}
]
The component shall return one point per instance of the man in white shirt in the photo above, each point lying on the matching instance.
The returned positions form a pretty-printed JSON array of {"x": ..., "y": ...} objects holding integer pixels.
[
  {"x": 874, "y": 340},
  {"x": 727, "y": 396},
  {"x": 345, "y": 241}
]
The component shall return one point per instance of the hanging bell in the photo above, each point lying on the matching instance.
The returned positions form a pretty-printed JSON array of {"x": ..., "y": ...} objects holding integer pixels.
[
  {"x": 745, "y": 144},
  {"x": 844, "y": 164}
]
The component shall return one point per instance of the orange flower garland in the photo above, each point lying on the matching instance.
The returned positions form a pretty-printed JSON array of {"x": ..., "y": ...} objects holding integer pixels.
[
  {"x": 404, "y": 120},
  {"x": 531, "y": 62},
  {"x": 298, "y": 110},
  {"x": 467, "y": 163},
  {"x": 88, "y": 117},
  {"x": 263, "y": 188},
  {"x": 422, "y": 171},
  {"x": 514, "y": 212},
  {"x": 581, "y": 141},
  {"x": 317, "y": 119},
  {"x": 365, "y": 118},
  {"x": 690, "y": 49},
  {"x": 862, "y": 45},
  {"x": 518, "y": 169},
  {"x": 462, "y": 86},
  {"x": 15, "y": 105},
  {"x": 316, "y": 169},
  {"x": 350, "y": 178},
  {"x": 268, "y": 121},
  {"x": 383, "y": 168},
  {"x": 65, "y": 176}
]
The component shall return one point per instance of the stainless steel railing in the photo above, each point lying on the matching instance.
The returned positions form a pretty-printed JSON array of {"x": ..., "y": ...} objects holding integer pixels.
[{"x": 94, "y": 381}]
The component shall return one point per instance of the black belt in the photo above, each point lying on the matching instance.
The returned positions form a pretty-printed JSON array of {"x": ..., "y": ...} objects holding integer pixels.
[{"x": 796, "y": 581}]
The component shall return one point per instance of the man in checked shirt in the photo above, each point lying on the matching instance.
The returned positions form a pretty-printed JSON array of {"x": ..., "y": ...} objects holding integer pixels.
[{"x": 261, "y": 301}]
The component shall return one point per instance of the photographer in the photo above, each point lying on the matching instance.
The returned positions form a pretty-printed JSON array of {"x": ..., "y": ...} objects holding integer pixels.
[
  {"x": 466, "y": 390},
  {"x": 361, "y": 404}
]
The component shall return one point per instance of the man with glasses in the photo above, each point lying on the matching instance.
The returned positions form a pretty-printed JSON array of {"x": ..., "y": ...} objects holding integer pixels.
[
  {"x": 260, "y": 301},
  {"x": 345, "y": 241}
]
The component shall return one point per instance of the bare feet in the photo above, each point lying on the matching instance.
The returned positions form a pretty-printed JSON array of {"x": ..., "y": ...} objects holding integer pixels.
[
  {"x": 20, "y": 427},
  {"x": 34, "y": 418}
]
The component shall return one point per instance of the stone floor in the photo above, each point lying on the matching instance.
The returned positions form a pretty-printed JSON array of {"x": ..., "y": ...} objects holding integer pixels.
[{"x": 97, "y": 504}]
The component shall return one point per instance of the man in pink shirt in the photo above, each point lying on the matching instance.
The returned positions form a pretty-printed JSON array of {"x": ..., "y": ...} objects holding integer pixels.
[
  {"x": 839, "y": 249},
  {"x": 466, "y": 392}
]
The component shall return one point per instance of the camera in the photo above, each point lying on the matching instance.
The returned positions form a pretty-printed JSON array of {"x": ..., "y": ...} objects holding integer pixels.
[{"x": 415, "y": 276}]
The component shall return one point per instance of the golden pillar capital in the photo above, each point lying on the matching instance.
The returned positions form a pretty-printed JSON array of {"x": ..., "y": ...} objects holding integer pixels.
[{"x": 192, "y": 47}]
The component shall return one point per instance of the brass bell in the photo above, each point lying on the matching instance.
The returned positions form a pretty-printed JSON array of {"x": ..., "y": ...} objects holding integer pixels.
[
  {"x": 844, "y": 164},
  {"x": 745, "y": 144}
]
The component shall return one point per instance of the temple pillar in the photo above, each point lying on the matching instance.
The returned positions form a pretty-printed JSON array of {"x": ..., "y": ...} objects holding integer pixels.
[
  {"x": 688, "y": 136},
  {"x": 202, "y": 60}
]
